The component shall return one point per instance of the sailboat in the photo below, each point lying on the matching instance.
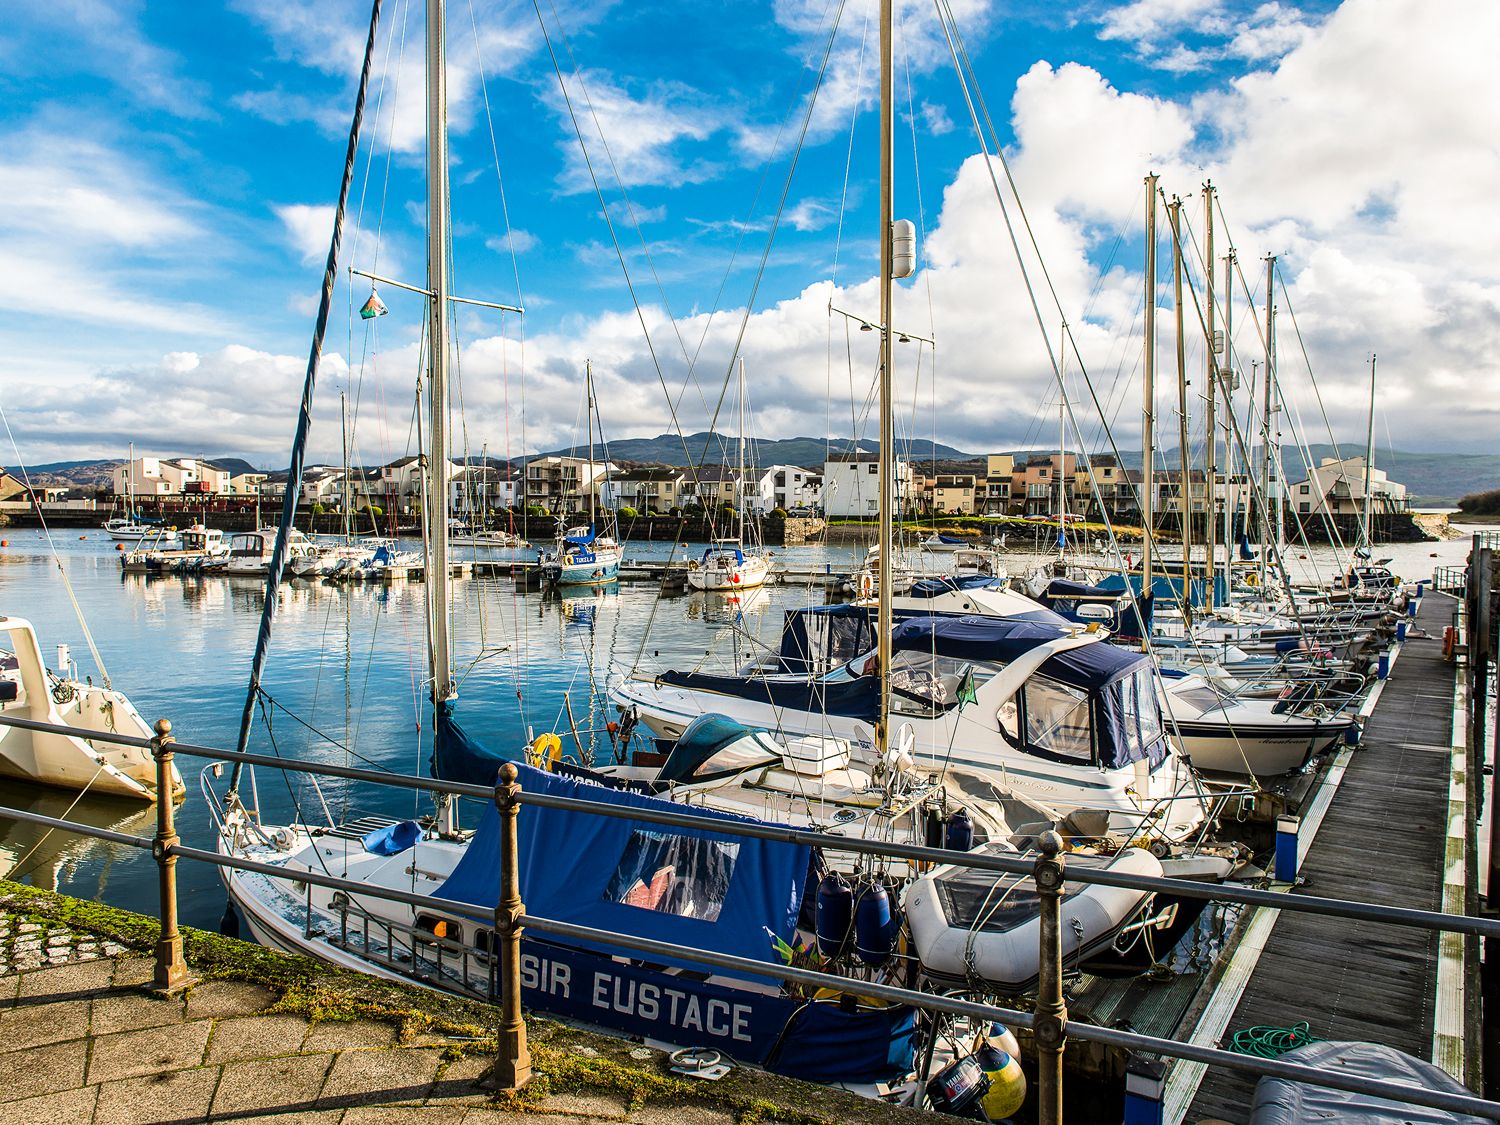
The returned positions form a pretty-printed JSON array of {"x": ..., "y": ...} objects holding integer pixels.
[
  {"x": 131, "y": 527},
  {"x": 726, "y": 565},
  {"x": 582, "y": 555},
  {"x": 696, "y": 889}
]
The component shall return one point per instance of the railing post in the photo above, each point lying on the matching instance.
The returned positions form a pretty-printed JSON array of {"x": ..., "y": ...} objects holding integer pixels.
[
  {"x": 1048, "y": 1029},
  {"x": 171, "y": 969},
  {"x": 512, "y": 1058}
]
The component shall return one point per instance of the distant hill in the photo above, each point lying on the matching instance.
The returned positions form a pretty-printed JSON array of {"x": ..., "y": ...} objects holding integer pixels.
[{"x": 713, "y": 449}]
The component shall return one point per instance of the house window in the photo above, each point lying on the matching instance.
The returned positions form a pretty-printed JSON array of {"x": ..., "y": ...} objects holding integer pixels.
[
  {"x": 874, "y": 468},
  {"x": 871, "y": 505},
  {"x": 1304, "y": 507}
]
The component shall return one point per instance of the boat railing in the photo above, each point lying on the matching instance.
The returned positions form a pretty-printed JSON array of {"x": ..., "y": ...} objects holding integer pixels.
[{"x": 1049, "y": 1022}]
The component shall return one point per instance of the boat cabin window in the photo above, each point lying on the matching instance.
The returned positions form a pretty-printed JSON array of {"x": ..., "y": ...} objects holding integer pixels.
[
  {"x": 684, "y": 875},
  {"x": 925, "y": 684},
  {"x": 1142, "y": 726},
  {"x": 440, "y": 927},
  {"x": 484, "y": 941},
  {"x": 1058, "y": 719}
]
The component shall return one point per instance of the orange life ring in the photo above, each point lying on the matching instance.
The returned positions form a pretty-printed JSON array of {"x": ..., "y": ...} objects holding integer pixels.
[{"x": 867, "y": 585}]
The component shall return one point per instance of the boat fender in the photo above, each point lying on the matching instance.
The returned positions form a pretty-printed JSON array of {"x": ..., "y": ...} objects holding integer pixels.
[
  {"x": 1450, "y": 642},
  {"x": 960, "y": 835},
  {"x": 835, "y": 914},
  {"x": 874, "y": 925},
  {"x": 1003, "y": 1038},
  {"x": 1007, "y": 1090},
  {"x": 546, "y": 751}
]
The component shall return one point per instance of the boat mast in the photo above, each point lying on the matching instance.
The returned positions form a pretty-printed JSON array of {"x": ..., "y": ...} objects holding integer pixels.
[
  {"x": 438, "y": 580},
  {"x": 344, "y": 436},
  {"x": 1211, "y": 457},
  {"x": 1062, "y": 456},
  {"x": 130, "y": 483},
  {"x": 883, "y": 623},
  {"x": 739, "y": 500},
  {"x": 1271, "y": 533},
  {"x": 1369, "y": 453},
  {"x": 588, "y": 391},
  {"x": 1185, "y": 493},
  {"x": 1148, "y": 393},
  {"x": 1231, "y": 495}
]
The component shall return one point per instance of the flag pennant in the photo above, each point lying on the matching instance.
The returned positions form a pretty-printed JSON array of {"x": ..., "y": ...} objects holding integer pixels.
[{"x": 373, "y": 307}]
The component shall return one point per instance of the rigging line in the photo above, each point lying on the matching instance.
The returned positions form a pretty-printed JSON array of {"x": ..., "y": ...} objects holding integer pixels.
[
  {"x": 609, "y": 224},
  {"x": 304, "y": 414},
  {"x": 786, "y": 189},
  {"x": 267, "y": 698},
  {"x": 619, "y": 180},
  {"x": 41, "y": 516}
]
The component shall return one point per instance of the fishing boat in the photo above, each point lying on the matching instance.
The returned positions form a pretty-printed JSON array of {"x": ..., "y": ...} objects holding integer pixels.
[{"x": 30, "y": 690}]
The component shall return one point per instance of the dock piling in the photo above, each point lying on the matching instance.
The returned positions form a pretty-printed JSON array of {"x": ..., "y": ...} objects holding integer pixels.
[
  {"x": 512, "y": 1057},
  {"x": 171, "y": 969},
  {"x": 1049, "y": 1028}
]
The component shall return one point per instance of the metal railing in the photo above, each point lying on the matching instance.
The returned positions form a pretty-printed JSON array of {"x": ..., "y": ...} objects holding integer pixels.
[{"x": 1049, "y": 1023}]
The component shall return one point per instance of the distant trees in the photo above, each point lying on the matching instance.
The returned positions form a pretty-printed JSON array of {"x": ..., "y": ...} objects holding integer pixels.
[{"x": 1481, "y": 503}]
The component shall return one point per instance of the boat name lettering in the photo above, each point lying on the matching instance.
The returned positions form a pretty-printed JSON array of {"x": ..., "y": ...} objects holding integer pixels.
[
  {"x": 681, "y": 1009},
  {"x": 543, "y": 975}
]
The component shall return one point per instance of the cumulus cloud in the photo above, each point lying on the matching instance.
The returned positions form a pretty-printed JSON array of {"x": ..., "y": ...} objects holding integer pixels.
[{"x": 513, "y": 242}]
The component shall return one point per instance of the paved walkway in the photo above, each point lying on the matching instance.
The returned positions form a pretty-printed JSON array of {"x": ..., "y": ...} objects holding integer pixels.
[{"x": 81, "y": 1040}]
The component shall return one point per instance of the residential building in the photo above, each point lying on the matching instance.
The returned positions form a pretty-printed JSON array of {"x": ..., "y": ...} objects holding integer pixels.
[
  {"x": 954, "y": 494},
  {"x": 655, "y": 488},
  {"x": 992, "y": 495},
  {"x": 1337, "y": 487},
  {"x": 562, "y": 484},
  {"x": 709, "y": 485},
  {"x": 1034, "y": 485},
  {"x": 167, "y": 476},
  {"x": 851, "y": 486},
  {"x": 244, "y": 484},
  {"x": 794, "y": 489},
  {"x": 484, "y": 488},
  {"x": 11, "y": 488}
]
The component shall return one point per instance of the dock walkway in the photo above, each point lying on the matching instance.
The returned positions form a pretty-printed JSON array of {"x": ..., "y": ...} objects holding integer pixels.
[{"x": 1382, "y": 839}]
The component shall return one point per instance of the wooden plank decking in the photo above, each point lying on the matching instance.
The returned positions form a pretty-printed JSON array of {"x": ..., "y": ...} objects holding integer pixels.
[{"x": 1382, "y": 841}]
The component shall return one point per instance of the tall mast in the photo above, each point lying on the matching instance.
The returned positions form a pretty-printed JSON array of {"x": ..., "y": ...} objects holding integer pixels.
[
  {"x": 130, "y": 484},
  {"x": 883, "y": 622},
  {"x": 1211, "y": 458},
  {"x": 1272, "y": 530},
  {"x": 1230, "y": 495},
  {"x": 438, "y": 580},
  {"x": 1148, "y": 392},
  {"x": 1185, "y": 493},
  {"x": 1369, "y": 452},
  {"x": 588, "y": 382},
  {"x": 344, "y": 438},
  {"x": 739, "y": 500}
]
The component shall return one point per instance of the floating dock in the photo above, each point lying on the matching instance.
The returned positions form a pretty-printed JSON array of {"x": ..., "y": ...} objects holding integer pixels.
[{"x": 1377, "y": 830}]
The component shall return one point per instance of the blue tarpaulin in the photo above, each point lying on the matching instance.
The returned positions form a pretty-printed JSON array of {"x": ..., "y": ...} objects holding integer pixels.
[
  {"x": 393, "y": 839},
  {"x": 694, "y": 888}
]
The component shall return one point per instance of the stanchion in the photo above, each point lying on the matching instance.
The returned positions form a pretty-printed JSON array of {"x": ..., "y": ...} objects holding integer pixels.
[
  {"x": 1145, "y": 1080},
  {"x": 512, "y": 1057},
  {"x": 171, "y": 969},
  {"x": 1051, "y": 1010}
]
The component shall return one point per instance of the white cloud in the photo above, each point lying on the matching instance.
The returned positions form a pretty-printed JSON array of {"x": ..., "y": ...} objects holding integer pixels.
[
  {"x": 309, "y": 230},
  {"x": 935, "y": 119},
  {"x": 810, "y": 214},
  {"x": 1183, "y": 36},
  {"x": 513, "y": 242},
  {"x": 1150, "y": 20}
]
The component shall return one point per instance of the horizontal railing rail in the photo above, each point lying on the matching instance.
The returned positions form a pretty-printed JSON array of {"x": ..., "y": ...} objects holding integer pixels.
[
  {"x": 927, "y": 1001},
  {"x": 1185, "y": 888}
]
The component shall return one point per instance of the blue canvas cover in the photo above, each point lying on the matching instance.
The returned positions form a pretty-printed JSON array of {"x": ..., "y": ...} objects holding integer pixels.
[
  {"x": 851, "y": 699},
  {"x": 457, "y": 757},
  {"x": 715, "y": 552},
  {"x": 932, "y": 587},
  {"x": 1123, "y": 701},
  {"x": 951, "y": 540},
  {"x": 393, "y": 839},
  {"x": 1132, "y": 612},
  {"x": 580, "y": 540},
  {"x": 695, "y": 888}
]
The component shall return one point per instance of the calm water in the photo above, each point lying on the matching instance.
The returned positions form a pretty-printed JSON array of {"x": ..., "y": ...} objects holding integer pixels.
[{"x": 347, "y": 674}]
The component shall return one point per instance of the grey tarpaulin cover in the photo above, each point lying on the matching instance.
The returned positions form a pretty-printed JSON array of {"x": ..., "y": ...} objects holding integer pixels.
[{"x": 1280, "y": 1102}]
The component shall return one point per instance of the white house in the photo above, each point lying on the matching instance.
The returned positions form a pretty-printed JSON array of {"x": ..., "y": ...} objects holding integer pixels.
[
  {"x": 1338, "y": 487},
  {"x": 484, "y": 488},
  {"x": 790, "y": 488},
  {"x": 163, "y": 476},
  {"x": 851, "y": 486}
]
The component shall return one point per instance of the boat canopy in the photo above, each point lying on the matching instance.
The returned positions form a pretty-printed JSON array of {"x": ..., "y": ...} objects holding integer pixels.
[
  {"x": 692, "y": 887},
  {"x": 1130, "y": 609},
  {"x": 578, "y": 537},
  {"x": 945, "y": 584},
  {"x": 950, "y": 539},
  {"x": 722, "y": 551},
  {"x": 1094, "y": 702}
]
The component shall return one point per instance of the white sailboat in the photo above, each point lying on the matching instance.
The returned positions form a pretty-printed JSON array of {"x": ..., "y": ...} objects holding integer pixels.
[
  {"x": 583, "y": 556},
  {"x": 727, "y": 564}
]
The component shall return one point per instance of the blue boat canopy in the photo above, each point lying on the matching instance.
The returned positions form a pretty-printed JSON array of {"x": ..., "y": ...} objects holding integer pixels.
[
  {"x": 715, "y": 552},
  {"x": 932, "y": 587},
  {"x": 692, "y": 887},
  {"x": 580, "y": 540},
  {"x": 716, "y": 746}
]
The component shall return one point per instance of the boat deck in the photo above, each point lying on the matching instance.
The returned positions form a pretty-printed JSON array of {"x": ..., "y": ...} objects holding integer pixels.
[{"x": 1381, "y": 839}]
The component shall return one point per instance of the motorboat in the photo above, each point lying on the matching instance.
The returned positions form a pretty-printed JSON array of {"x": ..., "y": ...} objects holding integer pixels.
[
  {"x": 1045, "y": 710},
  {"x": 200, "y": 549},
  {"x": 1223, "y": 733},
  {"x": 250, "y": 552},
  {"x": 30, "y": 690}
]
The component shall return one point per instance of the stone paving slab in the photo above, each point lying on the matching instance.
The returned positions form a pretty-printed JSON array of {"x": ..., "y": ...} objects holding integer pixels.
[
  {"x": 44, "y": 1109},
  {"x": 343, "y": 1034},
  {"x": 46, "y": 1070},
  {"x": 392, "y": 1077},
  {"x": 264, "y": 1084},
  {"x": 224, "y": 998},
  {"x": 256, "y": 1037},
  {"x": 129, "y": 1010},
  {"x": 153, "y": 1050},
  {"x": 32, "y": 1025},
  {"x": 181, "y": 1095}
]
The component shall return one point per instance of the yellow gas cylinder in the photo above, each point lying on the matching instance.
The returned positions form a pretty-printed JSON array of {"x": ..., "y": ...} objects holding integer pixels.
[{"x": 1007, "y": 1090}]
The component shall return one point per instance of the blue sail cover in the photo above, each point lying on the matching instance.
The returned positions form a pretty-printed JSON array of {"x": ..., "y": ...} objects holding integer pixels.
[
  {"x": 851, "y": 699},
  {"x": 695, "y": 888},
  {"x": 580, "y": 540},
  {"x": 457, "y": 757},
  {"x": 1132, "y": 619}
]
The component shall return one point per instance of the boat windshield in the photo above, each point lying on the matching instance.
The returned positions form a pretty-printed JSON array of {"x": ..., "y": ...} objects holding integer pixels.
[{"x": 923, "y": 683}]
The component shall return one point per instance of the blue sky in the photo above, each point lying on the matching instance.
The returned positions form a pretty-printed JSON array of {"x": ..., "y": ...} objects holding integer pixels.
[{"x": 170, "y": 170}]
